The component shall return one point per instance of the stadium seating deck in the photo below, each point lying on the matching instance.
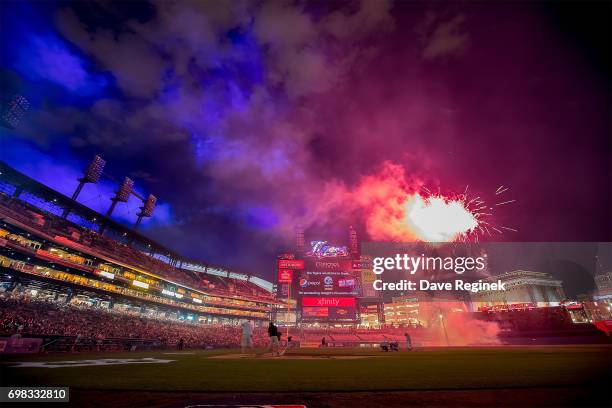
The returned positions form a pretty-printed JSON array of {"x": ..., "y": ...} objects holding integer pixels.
[{"x": 53, "y": 227}]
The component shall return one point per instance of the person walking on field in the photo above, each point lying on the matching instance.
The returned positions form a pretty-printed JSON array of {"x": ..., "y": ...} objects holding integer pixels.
[
  {"x": 273, "y": 335},
  {"x": 408, "y": 341},
  {"x": 247, "y": 336}
]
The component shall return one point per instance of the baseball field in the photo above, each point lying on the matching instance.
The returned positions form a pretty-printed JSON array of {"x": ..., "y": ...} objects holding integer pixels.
[{"x": 483, "y": 377}]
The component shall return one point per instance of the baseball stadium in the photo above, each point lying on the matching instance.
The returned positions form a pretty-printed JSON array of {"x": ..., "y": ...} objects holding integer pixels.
[
  {"x": 305, "y": 204},
  {"x": 123, "y": 321}
]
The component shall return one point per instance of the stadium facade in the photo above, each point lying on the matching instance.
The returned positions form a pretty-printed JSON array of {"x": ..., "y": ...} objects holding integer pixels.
[
  {"x": 53, "y": 246},
  {"x": 403, "y": 311},
  {"x": 537, "y": 288}
]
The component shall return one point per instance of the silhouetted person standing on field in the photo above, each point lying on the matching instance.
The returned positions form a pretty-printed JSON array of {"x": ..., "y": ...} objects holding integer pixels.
[
  {"x": 273, "y": 335},
  {"x": 408, "y": 341}
]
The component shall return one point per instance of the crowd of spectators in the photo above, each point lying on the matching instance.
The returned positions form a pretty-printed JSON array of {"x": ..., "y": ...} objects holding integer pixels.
[
  {"x": 28, "y": 316},
  {"x": 531, "y": 320},
  {"x": 32, "y": 317}
]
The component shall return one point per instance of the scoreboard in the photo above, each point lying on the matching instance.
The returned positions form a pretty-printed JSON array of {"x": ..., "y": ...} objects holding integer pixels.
[{"x": 325, "y": 283}]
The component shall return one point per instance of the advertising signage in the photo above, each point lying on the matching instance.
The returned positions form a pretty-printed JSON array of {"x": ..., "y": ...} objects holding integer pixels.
[
  {"x": 328, "y": 264},
  {"x": 328, "y": 283},
  {"x": 342, "y": 313},
  {"x": 286, "y": 255},
  {"x": 328, "y": 309},
  {"x": 328, "y": 301},
  {"x": 290, "y": 264},
  {"x": 310, "y": 311},
  {"x": 328, "y": 313},
  {"x": 285, "y": 275},
  {"x": 362, "y": 264}
]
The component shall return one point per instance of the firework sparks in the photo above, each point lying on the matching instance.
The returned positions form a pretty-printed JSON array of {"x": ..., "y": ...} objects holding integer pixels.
[
  {"x": 402, "y": 209},
  {"x": 439, "y": 218},
  {"x": 505, "y": 202},
  {"x": 501, "y": 189}
]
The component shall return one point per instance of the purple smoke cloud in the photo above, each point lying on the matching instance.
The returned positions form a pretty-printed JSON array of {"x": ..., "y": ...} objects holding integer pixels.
[{"x": 252, "y": 117}]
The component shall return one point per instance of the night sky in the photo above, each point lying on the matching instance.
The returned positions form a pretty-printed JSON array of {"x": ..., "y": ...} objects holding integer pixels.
[{"x": 248, "y": 118}]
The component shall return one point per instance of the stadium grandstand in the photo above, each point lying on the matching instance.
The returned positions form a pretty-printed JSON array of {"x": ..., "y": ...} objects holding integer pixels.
[{"x": 91, "y": 260}]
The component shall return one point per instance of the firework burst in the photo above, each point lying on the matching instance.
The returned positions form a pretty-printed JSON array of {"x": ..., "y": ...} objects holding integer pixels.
[
  {"x": 435, "y": 218},
  {"x": 399, "y": 208}
]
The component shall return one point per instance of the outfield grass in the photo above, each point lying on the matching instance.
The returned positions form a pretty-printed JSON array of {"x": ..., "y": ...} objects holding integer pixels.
[{"x": 469, "y": 368}]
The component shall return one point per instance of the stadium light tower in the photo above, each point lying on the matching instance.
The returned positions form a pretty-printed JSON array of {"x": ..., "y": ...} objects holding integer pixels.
[
  {"x": 146, "y": 210},
  {"x": 122, "y": 195},
  {"x": 13, "y": 111},
  {"x": 92, "y": 175}
]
